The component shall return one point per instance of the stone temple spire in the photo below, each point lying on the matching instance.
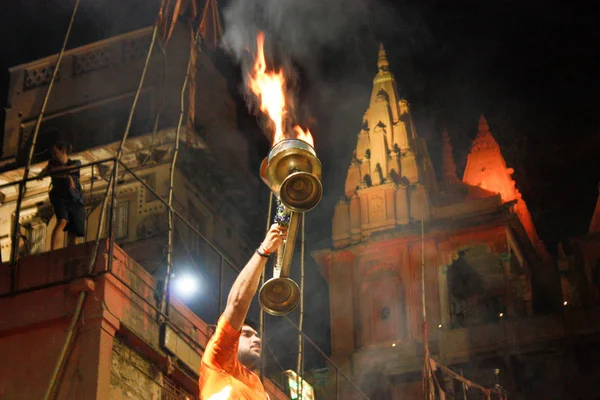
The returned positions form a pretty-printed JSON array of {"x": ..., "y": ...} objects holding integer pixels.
[
  {"x": 595, "y": 223},
  {"x": 487, "y": 169},
  {"x": 382, "y": 61},
  {"x": 386, "y": 149},
  {"x": 486, "y": 166},
  {"x": 484, "y": 138},
  {"x": 448, "y": 165},
  {"x": 391, "y": 174}
]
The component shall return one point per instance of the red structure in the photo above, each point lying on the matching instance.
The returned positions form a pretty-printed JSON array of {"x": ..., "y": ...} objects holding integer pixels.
[
  {"x": 123, "y": 347},
  {"x": 120, "y": 351}
]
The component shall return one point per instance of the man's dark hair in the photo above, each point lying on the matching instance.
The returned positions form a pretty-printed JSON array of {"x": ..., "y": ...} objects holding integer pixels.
[{"x": 251, "y": 323}]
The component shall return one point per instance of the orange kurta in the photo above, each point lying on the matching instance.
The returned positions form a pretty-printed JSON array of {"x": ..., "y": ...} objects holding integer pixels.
[{"x": 222, "y": 376}]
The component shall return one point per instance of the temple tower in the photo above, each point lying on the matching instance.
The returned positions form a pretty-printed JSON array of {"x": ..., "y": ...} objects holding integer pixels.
[
  {"x": 486, "y": 168},
  {"x": 472, "y": 240},
  {"x": 391, "y": 172}
]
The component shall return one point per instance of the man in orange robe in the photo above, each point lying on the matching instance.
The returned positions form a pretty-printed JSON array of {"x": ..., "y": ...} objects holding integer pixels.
[{"x": 232, "y": 354}]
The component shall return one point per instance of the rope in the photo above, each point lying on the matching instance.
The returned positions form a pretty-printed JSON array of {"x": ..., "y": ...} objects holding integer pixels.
[
  {"x": 163, "y": 51},
  {"x": 165, "y": 296}
]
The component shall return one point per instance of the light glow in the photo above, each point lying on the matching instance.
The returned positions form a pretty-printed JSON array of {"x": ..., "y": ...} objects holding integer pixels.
[{"x": 185, "y": 285}]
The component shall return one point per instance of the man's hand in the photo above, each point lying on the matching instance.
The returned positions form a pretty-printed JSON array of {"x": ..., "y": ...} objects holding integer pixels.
[
  {"x": 274, "y": 239},
  {"x": 245, "y": 285},
  {"x": 43, "y": 172}
]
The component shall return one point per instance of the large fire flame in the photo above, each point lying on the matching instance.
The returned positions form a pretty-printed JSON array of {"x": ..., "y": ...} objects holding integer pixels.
[{"x": 269, "y": 87}]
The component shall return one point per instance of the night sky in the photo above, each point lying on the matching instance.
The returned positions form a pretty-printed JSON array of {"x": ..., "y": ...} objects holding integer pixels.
[{"x": 530, "y": 67}]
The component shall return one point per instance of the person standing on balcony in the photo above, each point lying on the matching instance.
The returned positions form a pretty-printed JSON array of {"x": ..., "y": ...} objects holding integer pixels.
[
  {"x": 230, "y": 360},
  {"x": 66, "y": 194}
]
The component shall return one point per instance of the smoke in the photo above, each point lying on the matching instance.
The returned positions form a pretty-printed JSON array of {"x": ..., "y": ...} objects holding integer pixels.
[
  {"x": 317, "y": 42},
  {"x": 298, "y": 27}
]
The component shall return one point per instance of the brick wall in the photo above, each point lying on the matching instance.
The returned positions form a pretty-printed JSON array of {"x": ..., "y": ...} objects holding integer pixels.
[{"x": 132, "y": 377}]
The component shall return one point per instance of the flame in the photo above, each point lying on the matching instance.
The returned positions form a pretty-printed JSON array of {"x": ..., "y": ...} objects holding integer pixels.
[
  {"x": 304, "y": 135},
  {"x": 269, "y": 87}
]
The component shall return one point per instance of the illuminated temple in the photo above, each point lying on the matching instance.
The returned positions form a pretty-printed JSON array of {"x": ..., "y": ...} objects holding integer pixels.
[{"x": 494, "y": 298}]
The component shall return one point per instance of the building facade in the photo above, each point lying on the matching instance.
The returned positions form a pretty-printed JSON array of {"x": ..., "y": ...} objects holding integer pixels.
[
  {"x": 122, "y": 350},
  {"x": 491, "y": 295}
]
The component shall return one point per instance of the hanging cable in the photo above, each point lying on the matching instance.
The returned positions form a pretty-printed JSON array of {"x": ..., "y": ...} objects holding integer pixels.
[
  {"x": 110, "y": 187},
  {"x": 427, "y": 378},
  {"x": 261, "y": 328},
  {"x": 165, "y": 296},
  {"x": 36, "y": 130},
  {"x": 300, "y": 362}
]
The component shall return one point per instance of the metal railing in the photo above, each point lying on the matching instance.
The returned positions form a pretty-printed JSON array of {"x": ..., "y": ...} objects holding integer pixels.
[{"x": 342, "y": 385}]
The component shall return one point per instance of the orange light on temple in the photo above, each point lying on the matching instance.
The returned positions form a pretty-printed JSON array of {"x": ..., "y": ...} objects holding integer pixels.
[
  {"x": 304, "y": 135},
  {"x": 269, "y": 88}
]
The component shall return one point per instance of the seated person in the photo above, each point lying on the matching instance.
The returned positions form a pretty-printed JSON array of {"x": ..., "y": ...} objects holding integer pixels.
[{"x": 66, "y": 195}]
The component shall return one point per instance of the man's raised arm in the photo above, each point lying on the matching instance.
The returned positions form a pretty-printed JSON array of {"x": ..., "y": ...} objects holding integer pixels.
[{"x": 245, "y": 286}]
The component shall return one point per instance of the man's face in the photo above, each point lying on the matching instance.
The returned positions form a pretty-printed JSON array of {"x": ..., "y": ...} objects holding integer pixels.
[{"x": 249, "y": 347}]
